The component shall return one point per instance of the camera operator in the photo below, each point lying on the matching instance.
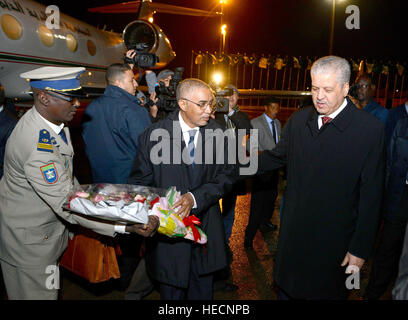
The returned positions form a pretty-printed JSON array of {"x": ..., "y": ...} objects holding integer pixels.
[{"x": 154, "y": 84}]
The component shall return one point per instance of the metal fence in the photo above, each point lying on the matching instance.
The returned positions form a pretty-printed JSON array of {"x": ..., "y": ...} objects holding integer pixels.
[{"x": 293, "y": 74}]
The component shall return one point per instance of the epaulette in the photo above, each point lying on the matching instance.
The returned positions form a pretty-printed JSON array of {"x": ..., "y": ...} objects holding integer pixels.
[{"x": 44, "y": 141}]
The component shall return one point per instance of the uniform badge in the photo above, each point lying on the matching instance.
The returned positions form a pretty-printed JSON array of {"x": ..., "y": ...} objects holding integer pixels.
[
  {"x": 49, "y": 173},
  {"x": 44, "y": 141}
]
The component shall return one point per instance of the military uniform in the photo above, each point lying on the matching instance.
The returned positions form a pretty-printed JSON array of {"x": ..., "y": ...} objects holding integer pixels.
[{"x": 37, "y": 180}]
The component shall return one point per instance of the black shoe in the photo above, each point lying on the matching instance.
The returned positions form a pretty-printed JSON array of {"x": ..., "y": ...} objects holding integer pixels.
[{"x": 268, "y": 227}]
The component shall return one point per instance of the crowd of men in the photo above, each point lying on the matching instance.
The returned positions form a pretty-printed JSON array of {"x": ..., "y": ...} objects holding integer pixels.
[{"x": 345, "y": 162}]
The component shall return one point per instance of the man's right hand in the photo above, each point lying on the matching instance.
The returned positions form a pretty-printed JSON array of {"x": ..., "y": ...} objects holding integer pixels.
[{"x": 145, "y": 230}]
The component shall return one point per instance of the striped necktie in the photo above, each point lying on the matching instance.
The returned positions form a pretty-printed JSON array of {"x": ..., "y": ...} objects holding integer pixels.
[
  {"x": 190, "y": 145},
  {"x": 275, "y": 139},
  {"x": 326, "y": 120}
]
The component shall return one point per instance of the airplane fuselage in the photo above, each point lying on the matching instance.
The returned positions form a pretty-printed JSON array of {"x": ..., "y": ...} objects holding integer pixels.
[{"x": 26, "y": 43}]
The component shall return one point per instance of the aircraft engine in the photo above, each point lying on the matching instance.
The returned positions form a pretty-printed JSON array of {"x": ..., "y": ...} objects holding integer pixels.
[{"x": 153, "y": 39}]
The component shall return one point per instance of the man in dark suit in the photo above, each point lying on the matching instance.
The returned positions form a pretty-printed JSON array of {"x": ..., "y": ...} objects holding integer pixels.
[
  {"x": 264, "y": 187},
  {"x": 335, "y": 158},
  {"x": 171, "y": 153},
  {"x": 234, "y": 119},
  {"x": 385, "y": 262}
]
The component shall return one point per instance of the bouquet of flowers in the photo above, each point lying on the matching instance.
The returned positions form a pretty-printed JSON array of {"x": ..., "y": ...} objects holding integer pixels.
[
  {"x": 116, "y": 202},
  {"x": 171, "y": 224},
  {"x": 133, "y": 204}
]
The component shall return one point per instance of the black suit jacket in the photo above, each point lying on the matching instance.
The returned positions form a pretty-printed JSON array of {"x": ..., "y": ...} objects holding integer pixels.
[
  {"x": 169, "y": 259},
  {"x": 335, "y": 179}
]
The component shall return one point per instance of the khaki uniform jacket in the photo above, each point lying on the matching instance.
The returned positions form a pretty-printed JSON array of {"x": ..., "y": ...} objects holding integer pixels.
[{"x": 37, "y": 180}]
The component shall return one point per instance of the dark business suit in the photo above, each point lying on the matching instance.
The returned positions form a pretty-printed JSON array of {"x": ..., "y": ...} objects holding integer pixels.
[
  {"x": 264, "y": 187},
  {"x": 172, "y": 261},
  {"x": 239, "y": 120},
  {"x": 385, "y": 262},
  {"x": 335, "y": 179}
]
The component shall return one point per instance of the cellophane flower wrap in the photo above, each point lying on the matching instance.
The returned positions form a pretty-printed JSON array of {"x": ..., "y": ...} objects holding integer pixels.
[
  {"x": 124, "y": 203},
  {"x": 116, "y": 202},
  {"x": 171, "y": 224}
]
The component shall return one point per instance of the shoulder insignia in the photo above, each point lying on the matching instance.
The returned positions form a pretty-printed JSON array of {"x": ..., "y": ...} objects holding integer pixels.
[
  {"x": 49, "y": 173},
  {"x": 44, "y": 141}
]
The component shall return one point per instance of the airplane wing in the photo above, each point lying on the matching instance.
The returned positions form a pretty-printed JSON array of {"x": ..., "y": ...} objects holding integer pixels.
[{"x": 133, "y": 6}]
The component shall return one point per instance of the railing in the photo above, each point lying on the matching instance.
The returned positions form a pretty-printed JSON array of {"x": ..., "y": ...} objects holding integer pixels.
[{"x": 285, "y": 73}]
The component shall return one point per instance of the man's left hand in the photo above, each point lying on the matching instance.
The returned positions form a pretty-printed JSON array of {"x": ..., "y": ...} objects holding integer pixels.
[
  {"x": 352, "y": 262},
  {"x": 184, "y": 204}
]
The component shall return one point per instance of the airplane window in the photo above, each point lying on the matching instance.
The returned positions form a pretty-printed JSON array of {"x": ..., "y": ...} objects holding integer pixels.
[
  {"x": 91, "y": 47},
  {"x": 11, "y": 27},
  {"x": 72, "y": 43},
  {"x": 46, "y": 36}
]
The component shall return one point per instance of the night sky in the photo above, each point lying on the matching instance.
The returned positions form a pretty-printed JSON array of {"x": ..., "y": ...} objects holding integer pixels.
[{"x": 293, "y": 27}]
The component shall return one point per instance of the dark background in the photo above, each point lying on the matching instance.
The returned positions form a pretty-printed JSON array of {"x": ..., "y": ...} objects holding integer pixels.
[{"x": 293, "y": 27}]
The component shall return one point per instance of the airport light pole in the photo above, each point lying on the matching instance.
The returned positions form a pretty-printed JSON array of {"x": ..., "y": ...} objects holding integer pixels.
[
  {"x": 333, "y": 15},
  {"x": 223, "y": 27}
]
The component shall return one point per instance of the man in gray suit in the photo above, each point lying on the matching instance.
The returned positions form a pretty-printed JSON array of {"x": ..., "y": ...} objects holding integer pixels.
[
  {"x": 265, "y": 187},
  {"x": 36, "y": 183}
]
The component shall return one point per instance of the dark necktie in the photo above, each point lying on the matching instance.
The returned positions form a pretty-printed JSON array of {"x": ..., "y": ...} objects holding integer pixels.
[
  {"x": 326, "y": 120},
  {"x": 274, "y": 131},
  {"x": 190, "y": 145},
  {"x": 63, "y": 136}
]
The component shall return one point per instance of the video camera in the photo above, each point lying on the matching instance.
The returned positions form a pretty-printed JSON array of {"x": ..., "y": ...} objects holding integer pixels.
[
  {"x": 142, "y": 59},
  {"x": 223, "y": 102},
  {"x": 166, "y": 96}
]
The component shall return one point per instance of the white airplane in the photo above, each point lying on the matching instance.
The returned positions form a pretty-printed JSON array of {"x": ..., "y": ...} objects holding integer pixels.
[{"x": 29, "y": 39}]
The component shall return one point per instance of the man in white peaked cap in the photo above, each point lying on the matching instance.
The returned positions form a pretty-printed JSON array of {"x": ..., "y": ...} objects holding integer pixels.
[{"x": 37, "y": 181}]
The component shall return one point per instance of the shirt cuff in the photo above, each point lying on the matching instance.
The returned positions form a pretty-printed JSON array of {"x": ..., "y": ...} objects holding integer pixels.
[
  {"x": 195, "y": 203},
  {"x": 120, "y": 228}
]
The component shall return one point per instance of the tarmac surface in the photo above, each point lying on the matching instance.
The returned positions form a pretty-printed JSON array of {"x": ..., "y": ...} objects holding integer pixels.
[{"x": 252, "y": 269}]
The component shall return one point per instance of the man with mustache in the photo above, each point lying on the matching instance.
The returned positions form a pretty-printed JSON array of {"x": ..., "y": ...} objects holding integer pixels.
[
  {"x": 184, "y": 269},
  {"x": 334, "y": 155}
]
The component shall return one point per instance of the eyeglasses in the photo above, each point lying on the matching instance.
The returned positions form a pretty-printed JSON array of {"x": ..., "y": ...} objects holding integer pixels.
[
  {"x": 60, "y": 96},
  {"x": 363, "y": 86},
  {"x": 203, "y": 104}
]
